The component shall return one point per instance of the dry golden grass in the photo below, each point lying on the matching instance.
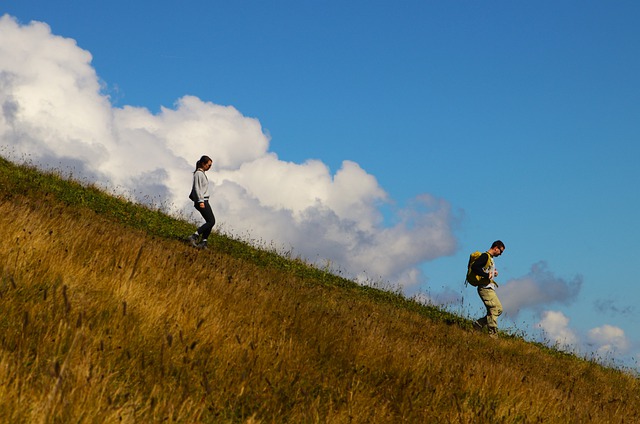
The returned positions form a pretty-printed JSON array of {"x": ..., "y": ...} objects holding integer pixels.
[{"x": 102, "y": 323}]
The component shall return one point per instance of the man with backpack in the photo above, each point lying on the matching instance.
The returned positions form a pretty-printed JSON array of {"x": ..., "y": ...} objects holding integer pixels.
[{"x": 481, "y": 272}]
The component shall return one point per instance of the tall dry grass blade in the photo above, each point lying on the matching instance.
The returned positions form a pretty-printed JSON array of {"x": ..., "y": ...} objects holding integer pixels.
[{"x": 135, "y": 263}]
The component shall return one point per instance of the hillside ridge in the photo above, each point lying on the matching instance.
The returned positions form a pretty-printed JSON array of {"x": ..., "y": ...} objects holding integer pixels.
[{"x": 109, "y": 316}]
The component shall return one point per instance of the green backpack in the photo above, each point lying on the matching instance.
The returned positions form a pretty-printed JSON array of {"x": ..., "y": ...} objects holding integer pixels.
[{"x": 472, "y": 278}]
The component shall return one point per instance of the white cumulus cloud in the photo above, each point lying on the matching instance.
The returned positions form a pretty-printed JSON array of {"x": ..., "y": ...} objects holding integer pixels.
[
  {"x": 55, "y": 115},
  {"x": 555, "y": 326},
  {"x": 608, "y": 339},
  {"x": 600, "y": 343}
]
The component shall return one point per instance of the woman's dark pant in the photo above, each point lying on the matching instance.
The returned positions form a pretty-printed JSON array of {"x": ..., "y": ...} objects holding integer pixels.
[{"x": 208, "y": 216}]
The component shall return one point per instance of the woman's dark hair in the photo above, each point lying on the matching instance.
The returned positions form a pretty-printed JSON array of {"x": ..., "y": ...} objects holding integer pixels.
[{"x": 204, "y": 159}]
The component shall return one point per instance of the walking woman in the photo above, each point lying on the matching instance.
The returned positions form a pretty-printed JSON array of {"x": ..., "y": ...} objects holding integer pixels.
[{"x": 200, "y": 196}]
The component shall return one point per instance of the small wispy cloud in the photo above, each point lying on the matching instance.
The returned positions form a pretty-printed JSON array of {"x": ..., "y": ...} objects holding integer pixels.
[
  {"x": 538, "y": 289},
  {"x": 613, "y": 308}
]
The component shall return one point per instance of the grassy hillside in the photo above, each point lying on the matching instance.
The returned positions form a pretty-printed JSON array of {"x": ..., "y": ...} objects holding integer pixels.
[{"x": 107, "y": 316}]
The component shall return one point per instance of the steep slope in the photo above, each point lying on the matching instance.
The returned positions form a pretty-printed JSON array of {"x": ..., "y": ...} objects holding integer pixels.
[{"x": 106, "y": 316}]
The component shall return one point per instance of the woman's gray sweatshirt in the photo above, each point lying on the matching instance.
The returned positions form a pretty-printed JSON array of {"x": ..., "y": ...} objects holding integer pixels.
[{"x": 200, "y": 189}]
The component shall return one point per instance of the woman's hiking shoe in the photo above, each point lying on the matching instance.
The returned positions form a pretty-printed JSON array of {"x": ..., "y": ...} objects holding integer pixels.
[
  {"x": 477, "y": 326},
  {"x": 202, "y": 245},
  {"x": 193, "y": 239}
]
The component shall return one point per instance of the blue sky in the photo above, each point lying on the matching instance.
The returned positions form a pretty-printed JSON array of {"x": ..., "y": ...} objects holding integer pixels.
[{"x": 520, "y": 121}]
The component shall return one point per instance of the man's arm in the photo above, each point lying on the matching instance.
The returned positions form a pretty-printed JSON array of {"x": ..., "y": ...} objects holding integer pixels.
[{"x": 478, "y": 265}]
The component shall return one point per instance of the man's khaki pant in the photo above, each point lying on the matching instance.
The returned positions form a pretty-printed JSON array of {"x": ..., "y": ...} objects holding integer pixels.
[{"x": 494, "y": 308}]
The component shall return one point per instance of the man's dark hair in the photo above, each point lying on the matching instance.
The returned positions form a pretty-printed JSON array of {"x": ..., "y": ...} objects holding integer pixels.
[{"x": 498, "y": 244}]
